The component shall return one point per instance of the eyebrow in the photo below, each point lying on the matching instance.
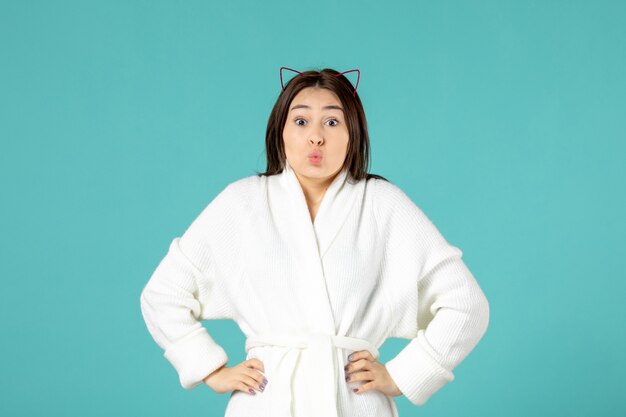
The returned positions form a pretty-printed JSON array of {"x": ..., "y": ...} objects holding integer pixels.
[{"x": 304, "y": 106}]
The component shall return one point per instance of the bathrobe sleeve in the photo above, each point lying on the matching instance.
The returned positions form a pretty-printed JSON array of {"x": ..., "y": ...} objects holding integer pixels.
[
  {"x": 184, "y": 289},
  {"x": 436, "y": 302}
]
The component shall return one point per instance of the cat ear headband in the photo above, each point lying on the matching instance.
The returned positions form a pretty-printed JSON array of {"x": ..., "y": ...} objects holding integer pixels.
[{"x": 336, "y": 75}]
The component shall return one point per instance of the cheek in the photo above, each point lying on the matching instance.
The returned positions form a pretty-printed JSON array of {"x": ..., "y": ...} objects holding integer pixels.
[
  {"x": 290, "y": 134},
  {"x": 340, "y": 142},
  {"x": 342, "y": 137},
  {"x": 287, "y": 137},
  {"x": 291, "y": 141}
]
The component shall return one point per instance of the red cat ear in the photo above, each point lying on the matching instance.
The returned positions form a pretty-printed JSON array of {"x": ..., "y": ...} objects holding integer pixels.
[
  {"x": 281, "y": 75},
  {"x": 357, "y": 79}
]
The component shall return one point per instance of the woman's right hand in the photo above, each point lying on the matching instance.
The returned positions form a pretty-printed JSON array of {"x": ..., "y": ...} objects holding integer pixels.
[{"x": 246, "y": 377}]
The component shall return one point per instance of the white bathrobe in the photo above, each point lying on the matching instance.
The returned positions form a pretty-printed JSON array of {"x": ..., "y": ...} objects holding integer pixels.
[{"x": 307, "y": 294}]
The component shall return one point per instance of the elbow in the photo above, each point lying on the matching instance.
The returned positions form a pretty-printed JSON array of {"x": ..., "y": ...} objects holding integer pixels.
[
  {"x": 482, "y": 313},
  {"x": 144, "y": 301},
  {"x": 142, "y": 296}
]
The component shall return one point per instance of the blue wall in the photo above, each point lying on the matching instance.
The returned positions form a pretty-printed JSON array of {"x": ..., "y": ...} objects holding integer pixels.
[{"x": 120, "y": 120}]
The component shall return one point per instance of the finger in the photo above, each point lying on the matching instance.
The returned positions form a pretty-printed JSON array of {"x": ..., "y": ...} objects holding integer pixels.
[
  {"x": 360, "y": 376},
  {"x": 367, "y": 355},
  {"x": 251, "y": 382},
  {"x": 359, "y": 365},
  {"x": 255, "y": 363},
  {"x": 364, "y": 388},
  {"x": 241, "y": 386},
  {"x": 361, "y": 354},
  {"x": 256, "y": 375}
]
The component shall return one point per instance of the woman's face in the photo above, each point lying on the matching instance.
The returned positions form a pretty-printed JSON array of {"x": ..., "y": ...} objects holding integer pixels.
[{"x": 315, "y": 134}]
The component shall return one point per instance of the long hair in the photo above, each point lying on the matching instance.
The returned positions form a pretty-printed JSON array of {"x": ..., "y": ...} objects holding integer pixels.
[{"x": 358, "y": 152}]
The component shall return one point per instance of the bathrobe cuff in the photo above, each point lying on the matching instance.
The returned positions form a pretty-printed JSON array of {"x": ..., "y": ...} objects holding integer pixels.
[
  {"x": 195, "y": 356},
  {"x": 416, "y": 372}
]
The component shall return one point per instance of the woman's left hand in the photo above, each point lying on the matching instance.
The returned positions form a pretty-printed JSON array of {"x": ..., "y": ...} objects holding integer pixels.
[{"x": 364, "y": 367}]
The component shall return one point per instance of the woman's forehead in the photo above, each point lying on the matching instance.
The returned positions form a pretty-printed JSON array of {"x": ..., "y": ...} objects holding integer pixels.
[{"x": 316, "y": 98}]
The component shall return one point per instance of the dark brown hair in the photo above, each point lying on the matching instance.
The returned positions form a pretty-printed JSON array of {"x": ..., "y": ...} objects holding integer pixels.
[{"x": 358, "y": 153}]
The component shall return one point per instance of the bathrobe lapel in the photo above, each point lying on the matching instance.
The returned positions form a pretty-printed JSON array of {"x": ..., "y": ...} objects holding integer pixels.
[
  {"x": 309, "y": 242},
  {"x": 303, "y": 245}
]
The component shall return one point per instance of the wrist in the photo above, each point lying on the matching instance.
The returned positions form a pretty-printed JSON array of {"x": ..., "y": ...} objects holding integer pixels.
[{"x": 206, "y": 378}]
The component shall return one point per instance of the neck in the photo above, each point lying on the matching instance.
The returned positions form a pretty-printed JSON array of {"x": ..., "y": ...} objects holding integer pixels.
[{"x": 314, "y": 189}]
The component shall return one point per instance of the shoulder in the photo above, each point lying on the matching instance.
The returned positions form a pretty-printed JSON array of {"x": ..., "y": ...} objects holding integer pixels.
[
  {"x": 243, "y": 186},
  {"x": 385, "y": 189},
  {"x": 400, "y": 217},
  {"x": 227, "y": 207},
  {"x": 240, "y": 193},
  {"x": 391, "y": 201}
]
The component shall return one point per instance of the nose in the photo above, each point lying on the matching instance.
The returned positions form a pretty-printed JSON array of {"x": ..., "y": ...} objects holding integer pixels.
[{"x": 316, "y": 141}]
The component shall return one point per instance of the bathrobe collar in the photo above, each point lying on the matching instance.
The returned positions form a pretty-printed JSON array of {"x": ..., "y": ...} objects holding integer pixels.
[
  {"x": 337, "y": 202},
  {"x": 308, "y": 242}
]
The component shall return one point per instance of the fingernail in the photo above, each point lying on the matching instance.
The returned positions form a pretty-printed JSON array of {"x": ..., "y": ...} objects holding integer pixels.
[
  {"x": 355, "y": 389},
  {"x": 350, "y": 357},
  {"x": 265, "y": 381},
  {"x": 347, "y": 378},
  {"x": 262, "y": 387},
  {"x": 251, "y": 390}
]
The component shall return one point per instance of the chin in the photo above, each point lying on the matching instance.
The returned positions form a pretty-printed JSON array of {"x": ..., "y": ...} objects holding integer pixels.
[{"x": 320, "y": 172}]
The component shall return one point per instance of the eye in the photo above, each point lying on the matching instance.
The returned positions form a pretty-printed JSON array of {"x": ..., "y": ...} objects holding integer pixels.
[
  {"x": 334, "y": 120},
  {"x": 296, "y": 120}
]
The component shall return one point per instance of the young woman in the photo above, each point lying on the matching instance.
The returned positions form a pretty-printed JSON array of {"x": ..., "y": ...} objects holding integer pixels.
[{"x": 318, "y": 262}]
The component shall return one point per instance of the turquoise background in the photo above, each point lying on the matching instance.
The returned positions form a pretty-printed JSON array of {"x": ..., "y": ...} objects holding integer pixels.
[{"x": 121, "y": 120}]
